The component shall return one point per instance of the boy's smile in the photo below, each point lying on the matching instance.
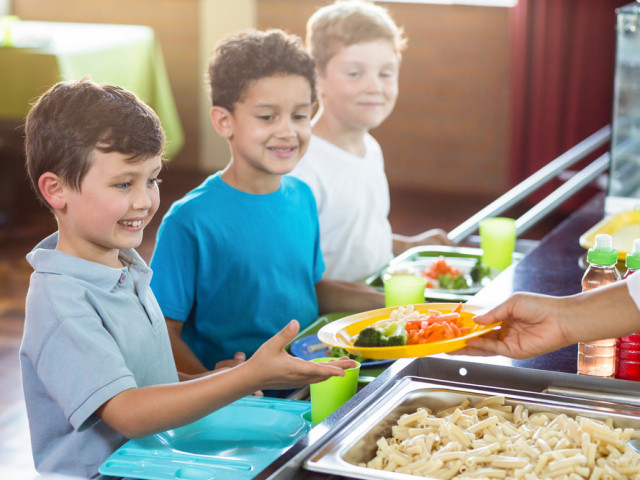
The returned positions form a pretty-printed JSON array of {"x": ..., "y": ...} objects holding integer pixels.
[
  {"x": 117, "y": 199},
  {"x": 268, "y": 131},
  {"x": 359, "y": 85}
]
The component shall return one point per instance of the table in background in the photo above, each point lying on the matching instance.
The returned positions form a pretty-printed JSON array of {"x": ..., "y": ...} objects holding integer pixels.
[{"x": 45, "y": 53}]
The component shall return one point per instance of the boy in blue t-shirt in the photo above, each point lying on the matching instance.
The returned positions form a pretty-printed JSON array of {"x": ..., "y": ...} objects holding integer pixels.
[
  {"x": 96, "y": 360},
  {"x": 239, "y": 256}
]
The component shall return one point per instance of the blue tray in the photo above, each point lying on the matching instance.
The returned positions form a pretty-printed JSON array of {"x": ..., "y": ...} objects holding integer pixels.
[{"x": 233, "y": 443}]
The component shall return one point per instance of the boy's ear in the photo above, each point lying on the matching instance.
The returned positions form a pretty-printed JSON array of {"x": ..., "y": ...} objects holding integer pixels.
[
  {"x": 222, "y": 121},
  {"x": 52, "y": 190}
]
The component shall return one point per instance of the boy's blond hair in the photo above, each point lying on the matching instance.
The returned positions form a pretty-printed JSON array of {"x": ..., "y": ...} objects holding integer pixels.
[{"x": 347, "y": 22}]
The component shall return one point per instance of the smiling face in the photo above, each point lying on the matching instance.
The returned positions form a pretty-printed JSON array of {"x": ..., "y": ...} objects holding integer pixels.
[
  {"x": 359, "y": 86},
  {"x": 116, "y": 201},
  {"x": 268, "y": 131}
]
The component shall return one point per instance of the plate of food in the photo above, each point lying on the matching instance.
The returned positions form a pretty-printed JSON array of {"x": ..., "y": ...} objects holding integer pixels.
[
  {"x": 407, "y": 331},
  {"x": 456, "y": 275},
  {"x": 311, "y": 347}
]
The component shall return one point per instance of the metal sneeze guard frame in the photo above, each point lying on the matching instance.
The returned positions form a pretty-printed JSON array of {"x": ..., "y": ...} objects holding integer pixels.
[{"x": 552, "y": 170}]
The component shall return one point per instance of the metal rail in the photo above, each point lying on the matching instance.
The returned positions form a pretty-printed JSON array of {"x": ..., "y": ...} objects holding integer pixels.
[{"x": 539, "y": 178}]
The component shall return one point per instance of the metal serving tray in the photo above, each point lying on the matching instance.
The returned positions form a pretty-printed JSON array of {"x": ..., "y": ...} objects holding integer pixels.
[{"x": 356, "y": 442}]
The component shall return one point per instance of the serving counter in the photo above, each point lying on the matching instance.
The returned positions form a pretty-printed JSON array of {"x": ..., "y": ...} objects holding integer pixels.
[{"x": 554, "y": 267}]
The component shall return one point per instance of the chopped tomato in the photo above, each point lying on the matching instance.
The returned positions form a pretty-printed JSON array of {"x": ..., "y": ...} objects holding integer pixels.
[{"x": 440, "y": 267}]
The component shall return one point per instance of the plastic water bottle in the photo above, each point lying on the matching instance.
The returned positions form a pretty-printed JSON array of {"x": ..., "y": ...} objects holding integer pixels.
[
  {"x": 598, "y": 358},
  {"x": 628, "y": 348}
]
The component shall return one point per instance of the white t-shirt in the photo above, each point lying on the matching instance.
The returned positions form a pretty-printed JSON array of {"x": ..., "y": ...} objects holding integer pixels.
[{"x": 352, "y": 195}]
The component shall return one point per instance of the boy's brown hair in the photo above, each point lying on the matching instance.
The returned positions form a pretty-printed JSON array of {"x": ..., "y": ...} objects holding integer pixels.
[
  {"x": 243, "y": 58},
  {"x": 72, "y": 119},
  {"x": 347, "y": 22}
]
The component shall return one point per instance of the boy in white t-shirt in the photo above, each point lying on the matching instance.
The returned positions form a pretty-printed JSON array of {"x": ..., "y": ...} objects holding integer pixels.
[{"x": 357, "y": 48}]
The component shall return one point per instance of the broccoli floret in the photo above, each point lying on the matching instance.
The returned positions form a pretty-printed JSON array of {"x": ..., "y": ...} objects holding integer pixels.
[
  {"x": 341, "y": 352},
  {"x": 479, "y": 271},
  {"x": 338, "y": 352},
  {"x": 456, "y": 282},
  {"x": 396, "y": 340},
  {"x": 369, "y": 337}
]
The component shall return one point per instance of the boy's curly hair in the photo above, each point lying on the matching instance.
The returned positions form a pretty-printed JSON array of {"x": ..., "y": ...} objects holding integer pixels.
[
  {"x": 251, "y": 55},
  {"x": 72, "y": 119},
  {"x": 347, "y": 22}
]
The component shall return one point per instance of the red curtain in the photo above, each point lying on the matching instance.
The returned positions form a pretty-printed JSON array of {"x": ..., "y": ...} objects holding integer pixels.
[{"x": 562, "y": 79}]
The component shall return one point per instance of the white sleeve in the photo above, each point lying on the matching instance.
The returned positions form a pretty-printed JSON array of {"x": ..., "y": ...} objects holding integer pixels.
[{"x": 633, "y": 285}]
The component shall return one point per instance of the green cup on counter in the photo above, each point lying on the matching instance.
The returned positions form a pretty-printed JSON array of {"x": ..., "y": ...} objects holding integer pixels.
[
  {"x": 404, "y": 290},
  {"x": 497, "y": 240},
  {"x": 329, "y": 395}
]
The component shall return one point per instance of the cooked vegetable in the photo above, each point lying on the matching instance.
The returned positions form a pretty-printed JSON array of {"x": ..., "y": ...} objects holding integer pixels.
[
  {"x": 440, "y": 267},
  {"x": 457, "y": 282},
  {"x": 393, "y": 334},
  {"x": 479, "y": 271},
  {"x": 369, "y": 337},
  {"x": 341, "y": 352},
  {"x": 436, "y": 326}
]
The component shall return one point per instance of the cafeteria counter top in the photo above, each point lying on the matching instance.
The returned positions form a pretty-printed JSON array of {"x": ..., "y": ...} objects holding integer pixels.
[{"x": 554, "y": 267}]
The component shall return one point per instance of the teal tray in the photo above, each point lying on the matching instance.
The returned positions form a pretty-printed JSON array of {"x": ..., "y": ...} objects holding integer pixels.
[{"x": 233, "y": 443}]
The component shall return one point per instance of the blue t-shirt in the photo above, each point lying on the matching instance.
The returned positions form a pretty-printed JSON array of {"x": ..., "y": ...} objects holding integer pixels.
[
  {"x": 90, "y": 332},
  {"x": 236, "y": 267}
]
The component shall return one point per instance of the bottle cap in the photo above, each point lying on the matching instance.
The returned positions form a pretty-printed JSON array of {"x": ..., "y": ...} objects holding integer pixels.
[
  {"x": 602, "y": 252},
  {"x": 633, "y": 257}
]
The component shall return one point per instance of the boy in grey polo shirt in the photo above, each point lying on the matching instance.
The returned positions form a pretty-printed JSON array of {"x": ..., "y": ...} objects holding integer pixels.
[{"x": 96, "y": 359}]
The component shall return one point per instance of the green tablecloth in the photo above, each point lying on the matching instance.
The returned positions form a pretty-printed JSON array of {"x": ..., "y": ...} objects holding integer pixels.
[{"x": 125, "y": 55}]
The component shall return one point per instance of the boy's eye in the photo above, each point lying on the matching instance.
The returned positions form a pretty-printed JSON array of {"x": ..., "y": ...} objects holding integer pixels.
[
  {"x": 123, "y": 185},
  {"x": 154, "y": 181},
  {"x": 301, "y": 116},
  {"x": 266, "y": 118}
]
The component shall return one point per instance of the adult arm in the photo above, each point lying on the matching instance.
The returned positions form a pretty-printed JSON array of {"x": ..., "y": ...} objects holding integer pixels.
[
  {"x": 535, "y": 324},
  {"x": 341, "y": 296}
]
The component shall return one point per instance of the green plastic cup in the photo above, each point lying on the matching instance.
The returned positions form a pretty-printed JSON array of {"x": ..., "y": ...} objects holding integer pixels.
[
  {"x": 331, "y": 394},
  {"x": 404, "y": 290},
  {"x": 497, "y": 240}
]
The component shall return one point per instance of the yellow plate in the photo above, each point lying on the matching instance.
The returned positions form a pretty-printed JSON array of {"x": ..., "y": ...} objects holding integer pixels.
[
  {"x": 339, "y": 333},
  {"x": 623, "y": 227}
]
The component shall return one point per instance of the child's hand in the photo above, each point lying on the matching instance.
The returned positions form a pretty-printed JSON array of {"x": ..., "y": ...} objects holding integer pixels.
[
  {"x": 273, "y": 368},
  {"x": 237, "y": 359}
]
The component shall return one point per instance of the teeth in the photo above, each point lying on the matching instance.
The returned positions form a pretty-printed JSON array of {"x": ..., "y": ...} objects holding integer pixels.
[{"x": 132, "y": 223}]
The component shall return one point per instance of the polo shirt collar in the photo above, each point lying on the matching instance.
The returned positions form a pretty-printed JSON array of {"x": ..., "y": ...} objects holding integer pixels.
[{"x": 44, "y": 258}]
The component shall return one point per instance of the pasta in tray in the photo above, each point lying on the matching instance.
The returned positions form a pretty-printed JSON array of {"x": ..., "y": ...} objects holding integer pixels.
[{"x": 491, "y": 440}]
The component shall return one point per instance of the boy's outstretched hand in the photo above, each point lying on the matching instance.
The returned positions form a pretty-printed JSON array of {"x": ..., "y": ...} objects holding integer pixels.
[
  {"x": 273, "y": 368},
  {"x": 531, "y": 325}
]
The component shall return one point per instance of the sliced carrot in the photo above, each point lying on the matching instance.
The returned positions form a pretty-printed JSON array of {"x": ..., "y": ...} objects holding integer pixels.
[{"x": 458, "y": 308}]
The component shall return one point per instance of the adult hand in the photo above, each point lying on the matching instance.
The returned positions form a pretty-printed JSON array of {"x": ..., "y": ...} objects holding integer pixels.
[{"x": 531, "y": 325}]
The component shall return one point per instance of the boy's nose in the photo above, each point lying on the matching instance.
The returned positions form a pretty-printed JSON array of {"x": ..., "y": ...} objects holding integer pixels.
[
  {"x": 142, "y": 199},
  {"x": 374, "y": 83},
  {"x": 285, "y": 128}
]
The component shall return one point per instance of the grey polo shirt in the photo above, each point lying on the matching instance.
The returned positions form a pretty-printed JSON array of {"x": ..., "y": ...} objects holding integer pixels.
[{"x": 91, "y": 332}]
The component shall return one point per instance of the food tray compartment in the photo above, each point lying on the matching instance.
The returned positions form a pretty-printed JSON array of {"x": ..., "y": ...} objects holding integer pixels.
[
  {"x": 420, "y": 257},
  {"x": 356, "y": 442},
  {"x": 624, "y": 228}
]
